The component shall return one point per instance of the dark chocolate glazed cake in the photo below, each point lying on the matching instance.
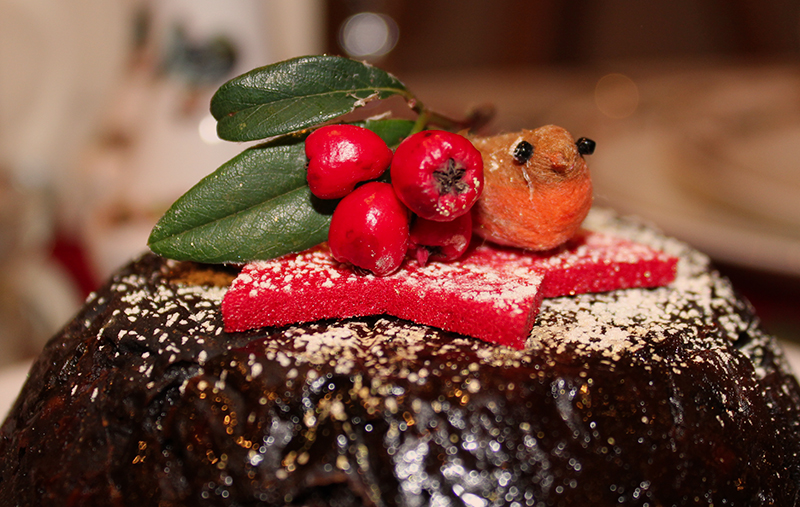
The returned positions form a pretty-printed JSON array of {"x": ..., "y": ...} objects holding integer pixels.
[{"x": 666, "y": 396}]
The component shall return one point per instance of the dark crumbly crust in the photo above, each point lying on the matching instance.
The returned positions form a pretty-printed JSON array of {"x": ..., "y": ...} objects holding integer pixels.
[{"x": 670, "y": 396}]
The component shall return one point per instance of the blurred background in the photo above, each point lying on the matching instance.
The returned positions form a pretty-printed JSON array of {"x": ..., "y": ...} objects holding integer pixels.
[{"x": 694, "y": 105}]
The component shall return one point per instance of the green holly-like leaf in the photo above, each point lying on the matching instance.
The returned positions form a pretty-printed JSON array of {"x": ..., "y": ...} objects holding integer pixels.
[
  {"x": 392, "y": 130},
  {"x": 255, "y": 206},
  {"x": 296, "y": 94}
]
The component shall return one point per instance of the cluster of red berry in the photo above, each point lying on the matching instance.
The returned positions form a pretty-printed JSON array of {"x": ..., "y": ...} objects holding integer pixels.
[{"x": 436, "y": 177}]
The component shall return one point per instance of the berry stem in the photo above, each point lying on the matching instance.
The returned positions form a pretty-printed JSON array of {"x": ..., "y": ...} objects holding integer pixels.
[
  {"x": 422, "y": 121},
  {"x": 476, "y": 119}
]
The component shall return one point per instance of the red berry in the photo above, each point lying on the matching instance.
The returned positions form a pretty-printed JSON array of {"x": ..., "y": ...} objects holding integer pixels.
[
  {"x": 369, "y": 229},
  {"x": 442, "y": 241},
  {"x": 339, "y": 156},
  {"x": 437, "y": 174}
]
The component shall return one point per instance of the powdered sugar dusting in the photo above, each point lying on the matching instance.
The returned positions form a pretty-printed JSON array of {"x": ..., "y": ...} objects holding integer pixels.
[
  {"x": 627, "y": 320},
  {"x": 167, "y": 323},
  {"x": 311, "y": 286},
  {"x": 187, "y": 319},
  {"x": 493, "y": 293}
]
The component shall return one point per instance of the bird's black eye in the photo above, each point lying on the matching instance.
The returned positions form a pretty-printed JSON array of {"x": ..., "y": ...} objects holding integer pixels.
[
  {"x": 523, "y": 152},
  {"x": 585, "y": 146}
]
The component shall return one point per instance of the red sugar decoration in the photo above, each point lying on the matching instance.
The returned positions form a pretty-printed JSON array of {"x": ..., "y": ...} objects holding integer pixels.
[{"x": 492, "y": 293}]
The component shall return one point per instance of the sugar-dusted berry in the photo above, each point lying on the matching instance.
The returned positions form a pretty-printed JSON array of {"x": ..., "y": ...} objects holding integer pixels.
[
  {"x": 440, "y": 241},
  {"x": 340, "y": 156},
  {"x": 369, "y": 229},
  {"x": 437, "y": 174}
]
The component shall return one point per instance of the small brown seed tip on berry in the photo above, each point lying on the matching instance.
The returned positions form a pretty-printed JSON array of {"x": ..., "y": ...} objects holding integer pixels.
[{"x": 437, "y": 174}]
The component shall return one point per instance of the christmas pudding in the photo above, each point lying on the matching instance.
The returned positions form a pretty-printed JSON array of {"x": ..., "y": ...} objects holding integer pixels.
[{"x": 276, "y": 349}]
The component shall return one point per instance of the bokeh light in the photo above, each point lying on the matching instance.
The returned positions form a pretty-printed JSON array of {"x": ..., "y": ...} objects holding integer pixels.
[
  {"x": 616, "y": 96},
  {"x": 368, "y": 35}
]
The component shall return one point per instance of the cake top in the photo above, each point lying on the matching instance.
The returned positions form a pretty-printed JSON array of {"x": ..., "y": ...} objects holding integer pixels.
[
  {"x": 623, "y": 320},
  {"x": 399, "y": 203},
  {"x": 699, "y": 306}
]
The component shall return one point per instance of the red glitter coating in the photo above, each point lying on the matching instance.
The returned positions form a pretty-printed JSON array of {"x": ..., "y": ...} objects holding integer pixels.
[{"x": 492, "y": 293}]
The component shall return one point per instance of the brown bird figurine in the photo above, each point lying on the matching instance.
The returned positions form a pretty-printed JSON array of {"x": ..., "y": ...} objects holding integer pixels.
[{"x": 537, "y": 188}]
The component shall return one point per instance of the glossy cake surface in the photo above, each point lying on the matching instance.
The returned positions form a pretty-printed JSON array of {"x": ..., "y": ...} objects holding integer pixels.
[{"x": 666, "y": 396}]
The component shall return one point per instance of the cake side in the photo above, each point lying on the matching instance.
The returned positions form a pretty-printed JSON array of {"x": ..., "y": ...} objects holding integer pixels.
[{"x": 643, "y": 395}]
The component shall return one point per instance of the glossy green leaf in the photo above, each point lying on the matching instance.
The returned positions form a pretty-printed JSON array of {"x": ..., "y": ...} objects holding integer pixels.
[
  {"x": 296, "y": 94},
  {"x": 255, "y": 206},
  {"x": 392, "y": 130}
]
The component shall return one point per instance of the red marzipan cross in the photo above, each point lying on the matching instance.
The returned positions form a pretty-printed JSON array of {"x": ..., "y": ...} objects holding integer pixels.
[{"x": 492, "y": 293}]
